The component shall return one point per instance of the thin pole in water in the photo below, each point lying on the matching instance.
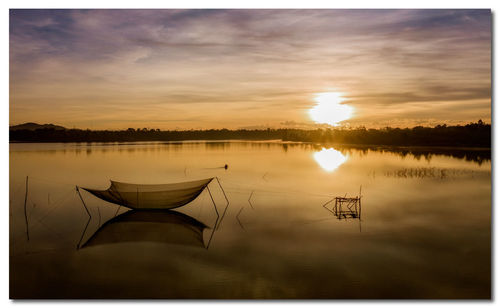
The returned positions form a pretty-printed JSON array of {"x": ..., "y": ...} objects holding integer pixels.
[
  {"x": 212, "y": 198},
  {"x": 83, "y": 234},
  {"x": 216, "y": 221},
  {"x": 88, "y": 221},
  {"x": 238, "y": 218},
  {"x": 227, "y": 200},
  {"x": 360, "y": 203},
  {"x": 86, "y": 209},
  {"x": 25, "y": 214},
  {"x": 251, "y": 194}
]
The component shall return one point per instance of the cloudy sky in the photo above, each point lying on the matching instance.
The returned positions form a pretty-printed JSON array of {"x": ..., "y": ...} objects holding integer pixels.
[{"x": 183, "y": 69}]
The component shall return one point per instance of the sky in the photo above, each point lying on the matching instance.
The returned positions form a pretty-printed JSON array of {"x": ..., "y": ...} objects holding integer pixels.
[{"x": 192, "y": 69}]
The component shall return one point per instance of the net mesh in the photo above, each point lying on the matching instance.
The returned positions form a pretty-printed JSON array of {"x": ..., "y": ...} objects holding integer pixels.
[{"x": 158, "y": 196}]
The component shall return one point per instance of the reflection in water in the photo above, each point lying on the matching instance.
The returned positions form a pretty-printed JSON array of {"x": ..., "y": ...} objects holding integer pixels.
[
  {"x": 426, "y": 238},
  {"x": 477, "y": 155},
  {"x": 329, "y": 159},
  {"x": 437, "y": 173},
  {"x": 158, "y": 226}
]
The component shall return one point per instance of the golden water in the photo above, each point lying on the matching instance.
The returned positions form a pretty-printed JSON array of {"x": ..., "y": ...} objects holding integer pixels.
[{"x": 424, "y": 232}]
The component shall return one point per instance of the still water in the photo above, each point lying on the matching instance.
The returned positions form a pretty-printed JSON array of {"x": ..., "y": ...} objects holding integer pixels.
[{"x": 424, "y": 230}]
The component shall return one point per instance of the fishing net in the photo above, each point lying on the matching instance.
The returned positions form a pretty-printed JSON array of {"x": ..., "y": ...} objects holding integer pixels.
[{"x": 159, "y": 196}]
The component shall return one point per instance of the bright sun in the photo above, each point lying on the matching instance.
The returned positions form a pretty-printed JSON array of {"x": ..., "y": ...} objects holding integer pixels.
[{"x": 329, "y": 109}]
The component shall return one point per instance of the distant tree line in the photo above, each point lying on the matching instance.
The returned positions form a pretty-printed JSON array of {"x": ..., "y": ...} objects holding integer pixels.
[{"x": 470, "y": 135}]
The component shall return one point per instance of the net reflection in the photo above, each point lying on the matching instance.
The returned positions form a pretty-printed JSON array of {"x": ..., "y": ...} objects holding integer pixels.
[{"x": 158, "y": 226}]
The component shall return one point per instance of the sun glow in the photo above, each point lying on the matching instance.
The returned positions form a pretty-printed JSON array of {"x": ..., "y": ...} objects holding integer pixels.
[
  {"x": 329, "y": 159},
  {"x": 329, "y": 109}
]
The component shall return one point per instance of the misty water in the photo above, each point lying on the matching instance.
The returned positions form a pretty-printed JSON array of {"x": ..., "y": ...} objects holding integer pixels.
[{"x": 424, "y": 230}]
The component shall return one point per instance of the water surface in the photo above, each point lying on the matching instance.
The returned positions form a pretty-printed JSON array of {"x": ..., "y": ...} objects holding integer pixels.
[{"x": 424, "y": 230}]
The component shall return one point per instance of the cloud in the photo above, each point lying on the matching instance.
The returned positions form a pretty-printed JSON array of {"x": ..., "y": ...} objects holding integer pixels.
[{"x": 252, "y": 63}]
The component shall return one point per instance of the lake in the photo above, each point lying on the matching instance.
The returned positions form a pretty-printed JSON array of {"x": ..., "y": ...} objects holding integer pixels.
[{"x": 422, "y": 230}]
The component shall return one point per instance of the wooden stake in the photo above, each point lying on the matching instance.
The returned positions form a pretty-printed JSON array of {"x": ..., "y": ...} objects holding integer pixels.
[
  {"x": 216, "y": 221},
  {"x": 86, "y": 209},
  {"x": 360, "y": 205},
  {"x": 227, "y": 200},
  {"x": 25, "y": 214}
]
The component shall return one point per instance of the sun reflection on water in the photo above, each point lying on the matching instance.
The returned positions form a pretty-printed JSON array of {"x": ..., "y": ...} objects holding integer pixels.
[{"x": 329, "y": 159}]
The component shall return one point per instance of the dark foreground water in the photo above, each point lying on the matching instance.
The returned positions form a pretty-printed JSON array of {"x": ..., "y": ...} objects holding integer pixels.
[{"x": 424, "y": 231}]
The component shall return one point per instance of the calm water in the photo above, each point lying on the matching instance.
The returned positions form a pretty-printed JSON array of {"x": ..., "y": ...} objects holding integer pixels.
[{"x": 424, "y": 230}]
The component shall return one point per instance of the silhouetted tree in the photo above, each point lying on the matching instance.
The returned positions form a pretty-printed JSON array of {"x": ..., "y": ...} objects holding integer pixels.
[{"x": 470, "y": 135}]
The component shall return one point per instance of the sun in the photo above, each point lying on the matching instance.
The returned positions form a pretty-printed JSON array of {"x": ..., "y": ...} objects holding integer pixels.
[{"x": 329, "y": 109}]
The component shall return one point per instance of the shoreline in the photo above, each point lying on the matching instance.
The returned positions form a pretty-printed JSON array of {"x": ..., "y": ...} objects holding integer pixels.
[{"x": 276, "y": 141}]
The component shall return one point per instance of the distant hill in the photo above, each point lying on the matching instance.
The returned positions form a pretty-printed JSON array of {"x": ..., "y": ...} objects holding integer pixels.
[{"x": 35, "y": 126}]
